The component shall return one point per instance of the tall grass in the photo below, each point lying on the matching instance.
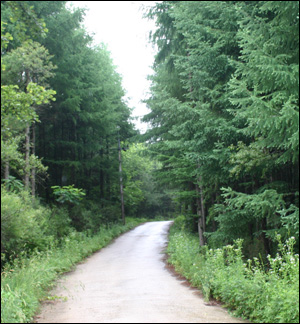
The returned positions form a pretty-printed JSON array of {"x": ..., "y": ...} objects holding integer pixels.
[
  {"x": 245, "y": 287},
  {"x": 26, "y": 281}
]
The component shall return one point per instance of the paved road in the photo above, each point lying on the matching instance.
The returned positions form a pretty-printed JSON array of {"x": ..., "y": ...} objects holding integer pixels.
[{"x": 127, "y": 282}]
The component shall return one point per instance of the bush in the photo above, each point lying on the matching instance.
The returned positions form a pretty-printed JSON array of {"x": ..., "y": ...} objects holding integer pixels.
[
  {"x": 24, "y": 225},
  {"x": 59, "y": 223},
  {"x": 68, "y": 194}
]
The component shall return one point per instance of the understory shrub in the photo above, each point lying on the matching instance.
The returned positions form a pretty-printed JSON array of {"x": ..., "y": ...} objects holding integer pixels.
[{"x": 24, "y": 223}]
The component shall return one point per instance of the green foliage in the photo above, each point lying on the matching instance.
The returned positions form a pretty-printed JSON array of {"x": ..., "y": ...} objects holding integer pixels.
[
  {"x": 23, "y": 71},
  {"x": 265, "y": 86},
  {"x": 290, "y": 220},
  {"x": 240, "y": 209},
  {"x": 135, "y": 168},
  {"x": 26, "y": 282},
  {"x": 80, "y": 130},
  {"x": 265, "y": 213},
  {"x": 191, "y": 128},
  {"x": 225, "y": 138},
  {"x": 250, "y": 291},
  {"x": 224, "y": 111},
  {"x": 142, "y": 195},
  {"x": 13, "y": 184},
  {"x": 24, "y": 225},
  {"x": 22, "y": 21},
  {"x": 19, "y": 104},
  {"x": 29, "y": 62},
  {"x": 68, "y": 194},
  {"x": 77, "y": 134},
  {"x": 26, "y": 69},
  {"x": 5, "y": 39},
  {"x": 59, "y": 222}
]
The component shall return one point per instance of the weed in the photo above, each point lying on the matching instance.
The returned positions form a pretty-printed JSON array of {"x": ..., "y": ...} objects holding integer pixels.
[
  {"x": 262, "y": 296},
  {"x": 27, "y": 280}
]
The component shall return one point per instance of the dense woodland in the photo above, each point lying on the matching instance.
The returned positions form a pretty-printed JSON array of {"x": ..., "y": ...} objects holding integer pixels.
[
  {"x": 222, "y": 148},
  {"x": 225, "y": 117},
  {"x": 63, "y": 111}
]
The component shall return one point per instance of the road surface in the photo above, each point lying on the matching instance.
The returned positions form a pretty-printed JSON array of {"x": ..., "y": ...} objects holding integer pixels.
[{"x": 127, "y": 282}]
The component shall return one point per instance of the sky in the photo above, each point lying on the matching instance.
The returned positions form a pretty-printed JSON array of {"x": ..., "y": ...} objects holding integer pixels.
[{"x": 121, "y": 26}]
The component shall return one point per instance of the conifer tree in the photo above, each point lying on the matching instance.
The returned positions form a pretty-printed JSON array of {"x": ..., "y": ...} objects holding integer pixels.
[{"x": 224, "y": 111}]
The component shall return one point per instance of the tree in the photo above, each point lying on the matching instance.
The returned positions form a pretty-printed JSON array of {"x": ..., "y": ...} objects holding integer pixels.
[
  {"x": 265, "y": 87},
  {"x": 22, "y": 23},
  {"x": 28, "y": 63},
  {"x": 16, "y": 111},
  {"x": 202, "y": 68},
  {"x": 222, "y": 117},
  {"x": 77, "y": 137},
  {"x": 142, "y": 195},
  {"x": 265, "y": 94}
]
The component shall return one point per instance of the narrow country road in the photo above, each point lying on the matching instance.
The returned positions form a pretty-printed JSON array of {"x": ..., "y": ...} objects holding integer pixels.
[{"x": 127, "y": 282}]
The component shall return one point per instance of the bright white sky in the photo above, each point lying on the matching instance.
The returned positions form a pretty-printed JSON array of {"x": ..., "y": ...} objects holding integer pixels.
[{"x": 120, "y": 25}]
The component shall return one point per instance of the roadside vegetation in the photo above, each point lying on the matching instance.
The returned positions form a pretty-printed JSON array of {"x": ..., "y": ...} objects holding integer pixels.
[
  {"x": 221, "y": 150},
  {"x": 42, "y": 246},
  {"x": 263, "y": 292}
]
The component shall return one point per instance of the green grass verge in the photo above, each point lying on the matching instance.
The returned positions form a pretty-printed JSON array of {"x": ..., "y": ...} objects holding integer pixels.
[
  {"x": 243, "y": 286},
  {"x": 27, "y": 281}
]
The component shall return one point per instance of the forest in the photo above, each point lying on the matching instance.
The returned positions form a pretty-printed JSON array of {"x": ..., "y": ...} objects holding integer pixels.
[{"x": 220, "y": 156}]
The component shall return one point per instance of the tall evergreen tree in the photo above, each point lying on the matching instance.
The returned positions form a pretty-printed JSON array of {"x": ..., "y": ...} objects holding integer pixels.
[
  {"x": 77, "y": 136},
  {"x": 224, "y": 111}
]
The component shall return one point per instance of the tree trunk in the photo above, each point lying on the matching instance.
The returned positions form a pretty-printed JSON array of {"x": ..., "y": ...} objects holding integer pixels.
[
  {"x": 101, "y": 179},
  {"x": 6, "y": 170},
  {"x": 27, "y": 143},
  {"x": 121, "y": 186},
  {"x": 27, "y": 152},
  {"x": 265, "y": 240},
  {"x": 33, "y": 171},
  {"x": 200, "y": 213},
  {"x": 202, "y": 207},
  {"x": 107, "y": 182}
]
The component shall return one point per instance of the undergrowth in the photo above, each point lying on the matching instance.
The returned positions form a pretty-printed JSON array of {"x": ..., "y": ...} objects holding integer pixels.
[
  {"x": 27, "y": 280},
  {"x": 244, "y": 286}
]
